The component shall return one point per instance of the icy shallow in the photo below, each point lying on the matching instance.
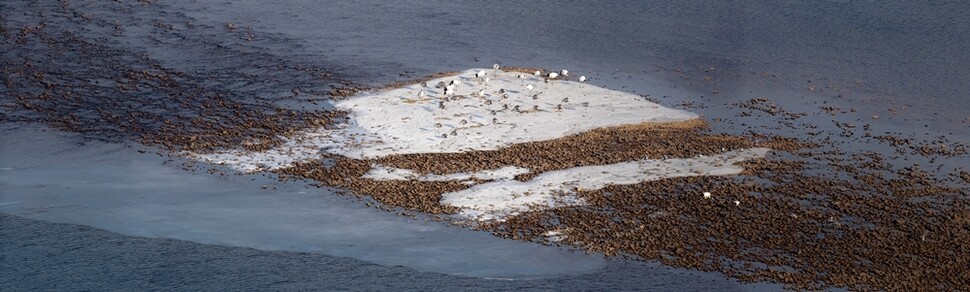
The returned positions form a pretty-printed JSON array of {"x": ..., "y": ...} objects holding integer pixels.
[
  {"x": 55, "y": 177},
  {"x": 52, "y": 176}
]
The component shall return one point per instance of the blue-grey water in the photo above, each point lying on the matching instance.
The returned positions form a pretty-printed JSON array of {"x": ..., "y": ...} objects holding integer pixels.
[{"x": 80, "y": 213}]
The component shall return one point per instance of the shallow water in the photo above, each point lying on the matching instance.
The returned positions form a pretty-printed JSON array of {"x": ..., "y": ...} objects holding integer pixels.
[{"x": 53, "y": 176}]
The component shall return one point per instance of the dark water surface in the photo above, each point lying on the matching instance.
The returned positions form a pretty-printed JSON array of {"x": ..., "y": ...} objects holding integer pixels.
[
  {"x": 46, "y": 256},
  {"x": 871, "y": 55}
]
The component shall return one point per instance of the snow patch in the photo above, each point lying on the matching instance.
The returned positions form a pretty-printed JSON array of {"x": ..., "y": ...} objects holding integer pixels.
[
  {"x": 380, "y": 172},
  {"x": 474, "y": 115},
  {"x": 490, "y": 115},
  {"x": 499, "y": 199}
]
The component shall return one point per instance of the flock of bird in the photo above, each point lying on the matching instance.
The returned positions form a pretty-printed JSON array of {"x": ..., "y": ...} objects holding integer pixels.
[
  {"x": 450, "y": 88},
  {"x": 449, "y": 92}
]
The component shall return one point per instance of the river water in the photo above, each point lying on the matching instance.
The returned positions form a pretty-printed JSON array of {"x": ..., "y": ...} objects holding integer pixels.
[{"x": 95, "y": 211}]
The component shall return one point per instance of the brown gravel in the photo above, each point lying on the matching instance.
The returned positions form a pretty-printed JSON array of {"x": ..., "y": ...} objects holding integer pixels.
[
  {"x": 119, "y": 95},
  {"x": 524, "y": 70},
  {"x": 601, "y": 146},
  {"x": 348, "y": 173},
  {"x": 908, "y": 233}
]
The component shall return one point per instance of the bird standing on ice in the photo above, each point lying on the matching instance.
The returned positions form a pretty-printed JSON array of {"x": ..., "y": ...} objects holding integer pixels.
[
  {"x": 553, "y": 75},
  {"x": 481, "y": 74},
  {"x": 530, "y": 87},
  {"x": 582, "y": 78},
  {"x": 537, "y": 73},
  {"x": 564, "y": 73}
]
